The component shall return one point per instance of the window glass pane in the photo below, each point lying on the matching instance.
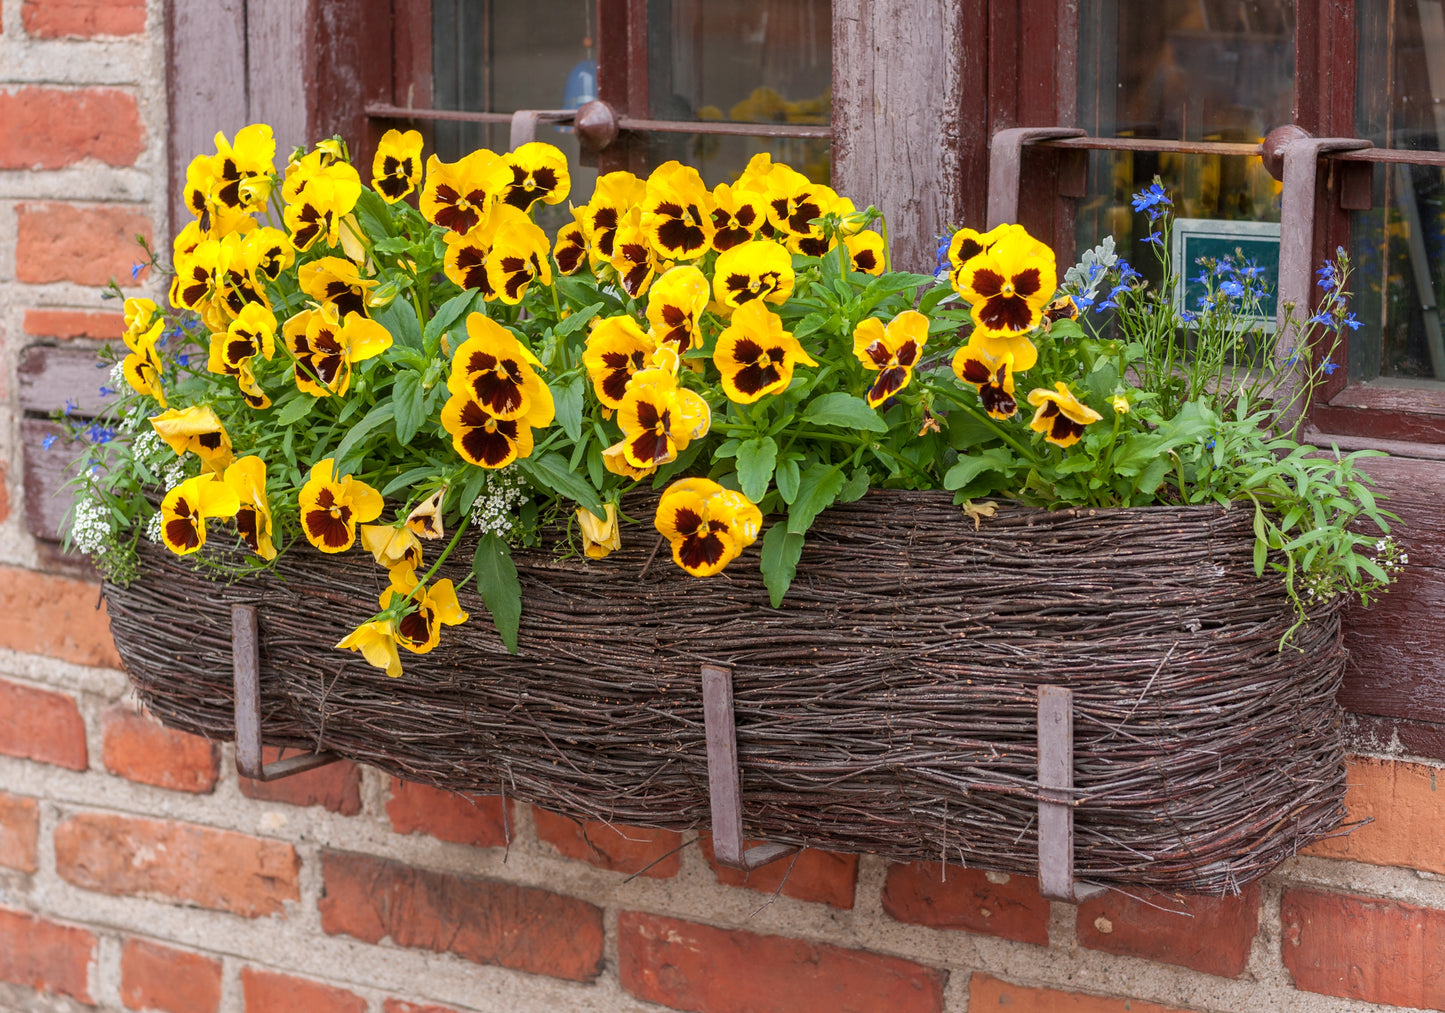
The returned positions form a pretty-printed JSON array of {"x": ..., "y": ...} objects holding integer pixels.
[
  {"x": 1197, "y": 70},
  {"x": 1398, "y": 246},
  {"x": 752, "y": 61},
  {"x": 500, "y": 56}
]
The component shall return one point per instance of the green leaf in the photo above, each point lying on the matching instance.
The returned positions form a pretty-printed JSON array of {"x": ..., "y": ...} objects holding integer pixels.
[
  {"x": 817, "y": 490},
  {"x": 1152, "y": 476},
  {"x": 577, "y": 320},
  {"x": 449, "y": 313},
  {"x": 568, "y": 402},
  {"x": 596, "y": 469},
  {"x": 781, "y": 551},
  {"x": 499, "y": 587},
  {"x": 409, "y": 402},
  {"x": 856, "y": 486},
  {"x": 472, "y": 489},
  {"x": 295, "y": 410},
  {"x": 845, "y": 410},
  {"x": 550, "y": 472},
  {"x": 381, "y": 413},
  {"x": 373, "y": 214},
  {"x": 399, "y": 319},
  {"x": 408, "y": 478},
  {"x": 786, "y": 476},
  {"x": 933, "y": 297},
  {"x": 970, "y": 467},
  {"x": 756, "y": 459}
]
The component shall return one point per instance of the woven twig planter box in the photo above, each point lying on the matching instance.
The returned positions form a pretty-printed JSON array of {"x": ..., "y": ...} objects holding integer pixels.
[{"x": 890, "y": 706}]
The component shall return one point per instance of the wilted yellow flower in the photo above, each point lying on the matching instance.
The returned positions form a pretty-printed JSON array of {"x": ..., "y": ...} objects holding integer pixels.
[{"x": 600, "y": 538}]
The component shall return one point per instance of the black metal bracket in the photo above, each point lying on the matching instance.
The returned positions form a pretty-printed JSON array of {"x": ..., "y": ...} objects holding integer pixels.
[
  {"x": 1056, "y": 797},
  {"x": 246, "y": 665},
  {"x": 724, "y": 779}
]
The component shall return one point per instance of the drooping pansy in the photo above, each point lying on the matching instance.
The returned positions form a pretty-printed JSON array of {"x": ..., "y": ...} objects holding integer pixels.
[
  {"x": 142, "y": 366},
  {"x": 659, "y": 419},
  {"x": 615, "y": 194},
  {"x": 325, "y": 348},
  {"x": 1062, "y": 308},
  {"x": 737, "y": 214},
  {"x": 570, "y": 251},
  {"x": 336, "y": 282},
  {"x": 600, "y": 536},
  {"x": 1008, "y": 286},
  {"x": 457, "y": 195},
  {"x": 1059, "y": 415},
  {"x": 376, "y": 641},
  {"x": 533, "y": 172},
  {"x": 419, "y": 630},
  {"x": 186, "y": 507},
  {"x": 196, "y": 429},
  {"x": 391, "y": 545},
  {"x": 633, "y": 257},
  {"x": 246, "y": 477},
  {"x": 708, "y": 526},
  {"x": 675, "y": 307},
  {"x": 677, "y": 212},
  {"x": 396, "y": 168},
  {"x": 332, "y": 506},
  {"x": 865, "y": 250},
  {"x": 616, "y": 349},
  {"x": 759, "y": 270},
  {"x": 498, "y": 372},
  {"x": 518, "y": 255},
  {"x": 425, "y": 519},
  {"x": 755, "y": 355},
  {"x": 992, "y": 376},
  {"x": 890, "y": 351}
]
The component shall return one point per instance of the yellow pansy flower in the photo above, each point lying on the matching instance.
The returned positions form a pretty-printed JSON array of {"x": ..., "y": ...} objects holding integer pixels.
[
  {"x": 534, "y": 172},
  {"x": 325, "y": 348},
  {"x": 761, "y": 269},
  {"x": 755, "y": 355},
  {"x": 1059, "y": 415},
  {"x": 246, "y": 477},
  {"x": 708, "y": 526},
  {"x": 332, "y": 507},
  {"x": 396, "y": 167},
  {"x": 186, "y": 507},
  {"x": 890, "y": 351},
  {"x": 198, "y": 430}
]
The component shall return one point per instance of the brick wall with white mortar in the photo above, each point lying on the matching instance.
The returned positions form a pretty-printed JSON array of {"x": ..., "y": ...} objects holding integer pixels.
[{"x": 138, "y": 872}]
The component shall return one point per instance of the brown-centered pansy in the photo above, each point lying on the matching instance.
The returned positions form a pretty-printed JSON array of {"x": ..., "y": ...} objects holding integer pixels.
[
  {"x": 570, "y": 251},
  {"x": 633, "y": 257},
  {"x": 675, "y": 307},
  {"x": 198, "y": 430},
  {"x": 196, "y": 276},
  {"x": 759, "y": 270},
  {"x": 466, "y": 258},
  {"x": 332, "y": 506},
  {"x": 185, "y": 509},
  {"x": 425, "y": 519},
  {"x": 487, "y": 441},
  {"x": 736, "y": 216},
  {"x": 1008, "y": 286},
  {"x": 615, "y": 194},
  {"x": 793, "y": 203},
  {"x": 325, "y": 348},
  {"x": 237, "y": 283},
  {"x": 966, "y": 244},
  {"x": 457, "y": 195},
  {"x": 142, "y": 365},
  {"x": 617, "y": 348},
  {"x": 1062, "y": 308},
  {"x": 270, "y": 251},
  {"x": 430, "y": 608},
  {"x": 531, "y": 173},
  {"x": 708, "y": 526},
  {"x": 376, "y": 642},
  {"x": 866, "y": 251},
  {"x": 658, "y": 420},
  {"x": 250, "y": 156},
  {"x": 890, "y": 351},
  {"x": 498, "y": 372},
  {"x": 396, "y": 168},
  {"x": 600, "y": 536},
  {"x": 1059, "y": 415},
  {"x": 677, "y": 212},
  {"x": 335, "y": 282},
  {"x": 992, "y": 376},
  {"x": 518, "y": 255},
  {"x": 755, "y": 355},
  {"x": 328, "y": 196},
  {"x": 247, "y": 479}
]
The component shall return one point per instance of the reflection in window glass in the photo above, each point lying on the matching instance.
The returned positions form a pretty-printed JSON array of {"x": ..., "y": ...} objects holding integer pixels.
[
  {"x": 1398, "y": 246},
  {"x": 499, "y": 56},
  {"x": 751, "y": 61},
  {"x": 1198, "y": 70}
]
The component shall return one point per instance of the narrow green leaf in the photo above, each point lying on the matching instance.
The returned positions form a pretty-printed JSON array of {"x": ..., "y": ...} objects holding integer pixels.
[
  {"x": 498, "y": 586},
  {"x": 786, "y": 475},
  {"x": 577, "y": 320},
  {"x": 408, "y": 479},
  {"x": 381, "y": 413},
  {"x": 567, "y": 399},
  {"x": 410, "y": 405},
  {"x": 295, "y": 410},
  {"x": 845, "y": 410},
  {"x": 756, "y": 459},
  {"x": 781, "y": 551},
  {"x": 550, "y": 473},
  {"x": 449, "y": 313}
]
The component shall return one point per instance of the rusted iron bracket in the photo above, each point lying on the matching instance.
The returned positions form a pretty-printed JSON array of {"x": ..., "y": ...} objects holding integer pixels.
[
  {"x": 1005, "y": 159},
  {"x": 724, "y": 781},
  {"x": 524, "y": 123},
  {"x": 1056, "y": 797},
  {"x": 246, "y": 666}
]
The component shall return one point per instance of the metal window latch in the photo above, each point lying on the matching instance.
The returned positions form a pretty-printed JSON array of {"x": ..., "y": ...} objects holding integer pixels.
[{"x": 246, "y": 665}]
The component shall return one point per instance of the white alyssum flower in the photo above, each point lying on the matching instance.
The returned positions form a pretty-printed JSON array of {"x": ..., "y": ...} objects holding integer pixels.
[
  {"x": 153, "y": 528},
  {"x": 494, "y": 511},
  {"x": 91, "y": 525}
]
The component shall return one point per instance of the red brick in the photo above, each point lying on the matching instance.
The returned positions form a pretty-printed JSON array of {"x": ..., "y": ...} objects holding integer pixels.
[
  {"x": 1381, "y": 951},
  {"x": 140, "y": 748},
  {"x": 47, "y": 128},
  {"x": 52, "y": 323},
  {"x": 615, "y": 846},
  {"x": 156, "y": 977},
  {"x": 1209, "y": 934},
  {"x": 53, "y": 19},
  {"x": 1404, "y": 801},
  {"x": 215, "y": 869},
  {"x": 268, "y": 992},
  {"x": 823, "y": 877},
  {"x": 37, "y": 724},
  {"x": 698, "y": 967},
  {"x": 483, "y": 821},
  {"x": 987, "y": 993},
  {"x": 4, "y": 488},
  {"x": 336, "y": 786},
  {"x": 86, "y": 244},
  {"x": 42, "y": 955},
  {"x": 484, "y": 921},
  {"x": 925, "y": 893},
  {"x": 54, "y": 616},
  {"x": 397, "y": 1006},
  {"x": 19, "y": 832}
]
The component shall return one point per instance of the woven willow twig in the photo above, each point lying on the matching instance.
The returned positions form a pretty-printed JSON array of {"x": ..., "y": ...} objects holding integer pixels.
[{"x": 889, "y": 706}]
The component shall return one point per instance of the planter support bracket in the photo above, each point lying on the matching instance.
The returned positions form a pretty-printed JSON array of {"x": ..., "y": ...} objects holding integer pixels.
[
  {"x": 724, "y": 781},
  {"x": 1056, "y": 797},
  {"x": 246, "y": 665}
]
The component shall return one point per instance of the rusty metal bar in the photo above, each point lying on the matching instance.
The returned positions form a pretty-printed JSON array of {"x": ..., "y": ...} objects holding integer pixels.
[
  {"x": 386, "y": 111},
  {"x": 246, "y": 669},
  {"x": 1005, "y": 160},
  {"x": 524, "y": 123},
  {"x": 1153, "y": 144},
  {"x": 1436, "y": 158},
  {"x": 724, "y": 781},
  {"x": 819, "y": 131}
]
